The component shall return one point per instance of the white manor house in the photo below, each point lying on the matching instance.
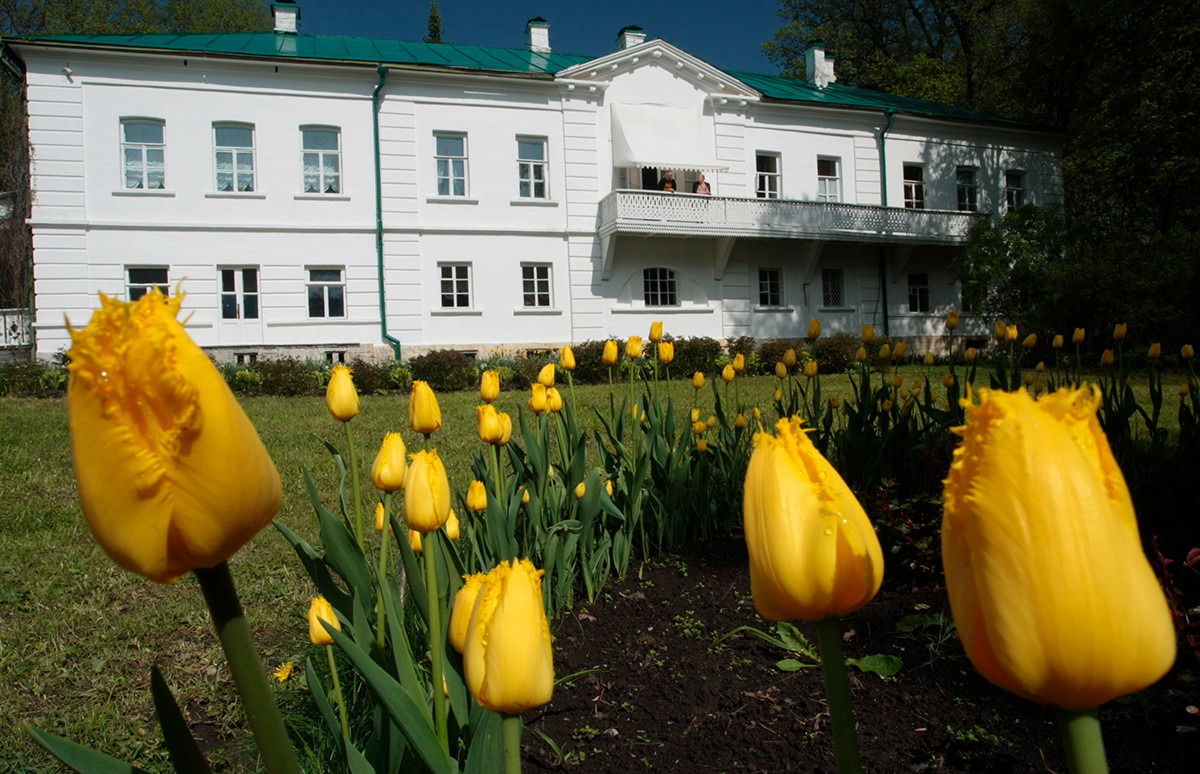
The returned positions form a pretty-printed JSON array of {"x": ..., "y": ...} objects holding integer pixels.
[{"x": 335, "y": 197}]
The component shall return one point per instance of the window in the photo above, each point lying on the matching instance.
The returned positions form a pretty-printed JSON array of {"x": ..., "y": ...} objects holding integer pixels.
[
  {"x": 767, "y": 185},
  {"x": 233, "y": 151},
  {"x": 535, "y": 284},
  {"x": 918, "y": 292},
  {"x": 143, "y": 151},
  {"x": 968, "y": 190},
  {"x": 833, "y": 287},
  {"x": 770, "y": 287},
  {"x": 531, "y": 169},
  {"x": 914, "y": 187},
  {"x": 326, "y": 293},
  {"x": 1014, "y": 190},
  {"x": 456, "y": 286},
  {"x": 143, "y": 279},
  {"x": 658, "y": 287},
  {"x": 321, "y": 159},
  {"x": 451, "y": 156},
  {"x": 239, "y": 294},
  {"x": 827, "y": 180}
]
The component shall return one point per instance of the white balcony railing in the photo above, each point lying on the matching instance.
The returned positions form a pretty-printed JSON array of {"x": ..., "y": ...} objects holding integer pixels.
[
  {"x": 656, "y": 212},
  {"x": 15, "y": 332}
]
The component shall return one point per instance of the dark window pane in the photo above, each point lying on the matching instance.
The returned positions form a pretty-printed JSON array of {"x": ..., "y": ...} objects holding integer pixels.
[
  {"x": 337, "y": 304},
  {"x": 250, "y": 280},
  {"x": 229, "y": 307},
  {"x": 325, "y": 275},
  {"x": 235, "y": 136},
  {"x": 250, "y": 307},
  {"x": 316, "y": 302}
]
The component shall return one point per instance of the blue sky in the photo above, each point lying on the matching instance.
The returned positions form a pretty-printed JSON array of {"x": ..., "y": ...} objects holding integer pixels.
[{"x": 728, "y": 34}]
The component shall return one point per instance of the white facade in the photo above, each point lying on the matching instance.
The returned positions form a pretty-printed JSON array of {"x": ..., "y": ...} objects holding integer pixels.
[{"x": 507, "y": 215}]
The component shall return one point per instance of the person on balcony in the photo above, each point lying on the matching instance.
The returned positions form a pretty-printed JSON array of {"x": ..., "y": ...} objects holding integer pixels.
[
  {"x": 701, "y": 185},
  {"x": 668, "y": 182}
]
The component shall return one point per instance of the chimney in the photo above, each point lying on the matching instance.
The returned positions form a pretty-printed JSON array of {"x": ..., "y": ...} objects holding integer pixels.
[
  {"x": 629, "y": 37},
  {"x": 818, "y": 68},
  {"x": 286, "y": 13},
  {"x": 537, "y": 35}
]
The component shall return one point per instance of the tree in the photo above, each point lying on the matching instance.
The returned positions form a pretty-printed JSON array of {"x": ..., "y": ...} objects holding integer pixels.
[{"x": 435, "y": 24}]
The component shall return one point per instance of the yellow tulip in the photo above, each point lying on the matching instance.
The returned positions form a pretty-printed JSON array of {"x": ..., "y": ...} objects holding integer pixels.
[
  {"x": 340, "y": 396},
  {"x": 860, "y": 355},
  {"x": 414, "y": 541},
  {"x": 656, "y": 332},
  {"x": 524, "y": 496},
  {"x": 505, "y": 428},
  {"x": 695, "y": 415},
  {"x": 813, "y": 552},
  {"x": 814, "y": 329},
  {"x": 1029, "y": 380},
  {"x": 554, "y": 400},
  {"x": 424, "y": 415},
  {"x": 1077, "y": 337},
  {"x": 740, "y": 422},
  {"x": 918, "y": 383},
  {"x": 391, "y": 464},
  {"x": 1001, "y": 330},
  {"x": 380, "y": 517},
  {"x": 835, "y": 401},
  {"x": 1030, "y": 341},
  {"x": 1106, "y": 359},
  {"x": 887, "y": 405},
  {"x": 171, "y": 473},
  {"x": 698, "y": 379},
  {"x": 452, "y": 526},
  {"x": 489, "y": 386},
  {"x": 320, "y": 610},
  {"x": 699, "y": 427},
  {"x": 490, "y": 428},
  {"x": 711, "y": 421},
  {"x": 789, "y": 358},
  {"x": 1057, "y": 342},
  {"x": 948, "y": 381},
  {"x": 897, "y": 381},
  {"x": 508, "y": 660},
  {"x": 727, "y": 373},
  {"x": 1184, "y": 390},
  {"x": 666, "y": 352},
  {"x": 477, "y": 496},
  {"x": 868, "y": 334},
  {"x": 1187, "y": 352},
  {"x": 1155, "y": 351},
  {"x": 580, "y": 490},
  {"x": 1052, "y": 595},
  {"x": 567, "y": 358},
  {"x": 427, "y": 492},
  {"x": 1040, "y": 367},
  {"x": 608, "y": 487},
  {"x": 610, "y": 352},
  {"x": 633, "y": 347},
  {"x": 739, "y": 363},
  {"x": 702, "y": 445},
  {"x": 885, "y": 352},
  {"x": 952, "y": 320},
  {"x": 546, "y": 376},
  {"x": 756, "y": 413},
  {"x": 970, "y": 354},
  {"x": 810, "y": 369},
  {"x": 537, "y": 399},
  {"x": 781, "y": 371},
  {"x": 1011, "y": 333},
  {"x": 1119, "y": 331},
  {"x": 929, "y": 360},
  {"x": 901, "y": 349},
  {"x": 464, "y": 603}
]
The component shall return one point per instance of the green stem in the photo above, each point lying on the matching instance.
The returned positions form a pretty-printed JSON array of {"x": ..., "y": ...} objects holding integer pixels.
[
  {"x": 512, "y": 744},
  {"x": 384, "y": 539},
  {"x": 358, "y": 517},
  {"x": 248, "y": 674},
  {"x": 1081, "y": 735},
  {"x": 435, "y": 639},
  {"x": 837, "y": 693},
  {"x": 337, "y": 693}
]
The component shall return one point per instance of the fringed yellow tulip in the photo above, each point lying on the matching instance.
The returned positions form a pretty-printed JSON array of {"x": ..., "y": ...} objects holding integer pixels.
[
  {"x": 699, "y": 427},
  {"x": 813, "y": 553},
  {"x": 810, "y": 369},
  {"x": 507, "y": 659},
  {"x": 868, "y": 334},
  {"x": 391, "y": 464},
  {"x": 546, "y": 376},
  {"x": 702, "y": 445},
  {"x": 698, "y": 380},
  {"x": 952, "y": 320},
  {"x": 1052, "y": 595},
  {"x": 666, "y": 352},
  {"x": 477, "y": 496},
  {"x": 537, "y": 398},
  {"x": 1010, "y": 333},
  {"x": 424, "y": 415},
  {"x": 610, "y": 352},
  {"x": 656, "y": 332},
  {"x": 491, "y": 428},
  {"x": 633, "y": 347},
  {"x": 814, "y": 329},
  {"x": 426, "y": 492},
  {"x": 464, "y": 603},
  {"x": 320, "y": 610},
  {"x": 567, "y": 359},
  {"x": 340, "y": 395},
  {"x": 489, "y": 386},
  {"x": 171, "y": 474},
  {"x": 453, "y": 528}
]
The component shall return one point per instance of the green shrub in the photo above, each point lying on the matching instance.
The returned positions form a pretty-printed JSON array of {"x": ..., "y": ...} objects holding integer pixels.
[
  {"x": 835, "y": 354},
  {"x": 246, "y": 381},
  {"x": 371, "y": 377},
  {"x": 32, "y": 379},
  {"x": 771, "y": 351},
  {"x": 589, "y": 363},
  {"x": 695, "y": 353},
  {"x": 444, "y": 369},
  {"x": 528, "y": 367},
  {"x": 400, "y": 377},
  {"x": 288, "y": 376}
]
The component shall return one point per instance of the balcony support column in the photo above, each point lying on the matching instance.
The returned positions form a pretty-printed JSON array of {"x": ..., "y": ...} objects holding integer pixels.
[{"x": 722, "y": 249}]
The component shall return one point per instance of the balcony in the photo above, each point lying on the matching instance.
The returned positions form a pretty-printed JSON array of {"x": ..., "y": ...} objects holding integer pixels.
[{"x": 727, "y": 218}]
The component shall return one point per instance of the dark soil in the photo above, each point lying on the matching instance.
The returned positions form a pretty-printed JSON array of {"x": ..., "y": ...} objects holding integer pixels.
[{"x": 668, "y": 694}]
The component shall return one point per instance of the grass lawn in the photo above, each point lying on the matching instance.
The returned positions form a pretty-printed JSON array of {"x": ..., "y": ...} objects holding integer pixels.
[{"x": 78, "y": 634}]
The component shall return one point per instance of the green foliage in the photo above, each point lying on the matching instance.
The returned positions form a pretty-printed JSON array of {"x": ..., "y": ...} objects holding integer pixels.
[
  {"x": 289, "y": 376},
  {"x": 444, "y": 369},
  {"x": 835, "y": 354},
  {"x": 32, "y": 379},
  {"x": 589, "y": 363},
  {"x": 695, "y": 353},
  {"x": 434, "y": 35}
]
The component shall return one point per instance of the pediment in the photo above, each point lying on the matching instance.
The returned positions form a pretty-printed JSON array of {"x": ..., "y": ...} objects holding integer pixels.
[{"x": 660, "y": 54}]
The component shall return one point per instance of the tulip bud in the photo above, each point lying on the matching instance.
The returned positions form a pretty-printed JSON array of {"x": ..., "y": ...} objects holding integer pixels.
[
  {"x": 391, "y": 464},
  {"x": 490, "y": 429},
  {"x": 554, "y": 400},
  {"x": 814, "y": 329},
  {"x": 887, "y": 404},
  {"x": 489, "y": 386},
  {"x": 340, "y": 395},
  {"x": 608, "y": 487},
  {"x": 1030, "y": 341},
  {"x": 505, "y": 428},
  {"x": 656, "y": 332},
  {"x": 477, "y": 496},
  {"x": 739, "y": 363},
  {"x": 321, "y": 611},
  {"x": 952, "y": 320},
  {"x": 778, "y": 396},
  {"x": 1011, "y": 333},
  {"x": 885, "y": 352},
  {"x": 695, "y": 415},
  {"x": 666, "y": 352},
  {"x": 610, "y": 352},
  {"x": 810, "y": 368},
  {"x": 901, "y": 350},
  {"x": 567, "y": 358},
  {"x": 1029, "y": 380},
  {"x": 1052, "y": 595},
  {"x": 1001, "y": 330},
  {"x": 929, "y": 358},
  {"x": 727, "y": 373},
  {"x": 698, "y": 379},
  {"x": 1039, "y": 387},
  {"x": 464, "y": 603},
  {"x": 835, "y": 401},
  {"x": 781, "y": 371},
  {"x": 915, "y": 392},
  {"x": 537, "y": 398},
  {"x": 424, "y": 415},
  {"x": 452, "y": 526},
  {"x": 633, "y": 347},
  {"x": 757, "y": 414},
  {"x": 813, "y": 552},
  {"x": 426, "y": 492},
  {"x": 702, "y": 445},
  {"x": 1077, "y": 337},
  {"x": 580, "y": 490},
  {"x": 524, "y": 496},
  {"x": 414, "y": 541},
  {"x": 897, "y": 381},
  {"x": 1155, "y": 351},
  {"x": 699, "y": 426},
  {"x": 868, "y": 334},
  {"x": 789, "y": 358},
  {"x": 1041, "y": 366},
  {"x": 1119, "y": 331},
  {"x": 918, "y": 384},
  {"x": 970, "y": 354},
  {"x": 948, "y": 381},
  {"x": 1057, "y": 342},
  {"x": 1187, "y": 352},
  {"x": 740, "y": 422},
  {"x": 860, "y": 355},
  {"x": 711, "y": 421},
  {"x": 546, "y": 375},
  {"x": 380, "y": 517},
  {"x": 1184, "y": 390},
  {"x": 1107, "y": 358}
]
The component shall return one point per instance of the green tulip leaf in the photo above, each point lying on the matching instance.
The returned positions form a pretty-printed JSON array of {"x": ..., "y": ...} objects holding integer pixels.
[
  {"x": 78, "y": 758},
  {"x": 181, "y": 745},
  {"x": 487, "y": 746},
  {"x": 317, "y": 569},
  {"x": 320, "y": 696},
  {"x": 792, "y": 665},
  {"x": 881, "y": 664},
  {"x": 358, "y": 762}
]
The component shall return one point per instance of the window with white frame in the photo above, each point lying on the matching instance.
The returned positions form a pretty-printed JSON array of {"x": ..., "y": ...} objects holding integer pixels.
[
  {"x": 535, "y": 285},
  {"x": 451, "y": 156},
  {"x": 321, "y": 159},
  {"x": 143, "y": 153},
  {"x": 770, "y": 287},
  {"x": 659, "y": 287},
  {"x": 968, "y": 189},
  {"x": 456, "y": 285},
  {"x": 140, "y": 280},
  {"x": 828, "y": 187},
  {"x": 767, "y": 180},
  {"x": 326, "y": 292},
  {"x": 833, "y": 287},
  {"x": 918, "y": 293},
  {"x": 233, "y": 157},
  {"x": 239, "y": 293},
  {"x": 531, "y": 168},
  {"x": 914, "y": 186},
  {"x": 1014, "y": 189}
]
